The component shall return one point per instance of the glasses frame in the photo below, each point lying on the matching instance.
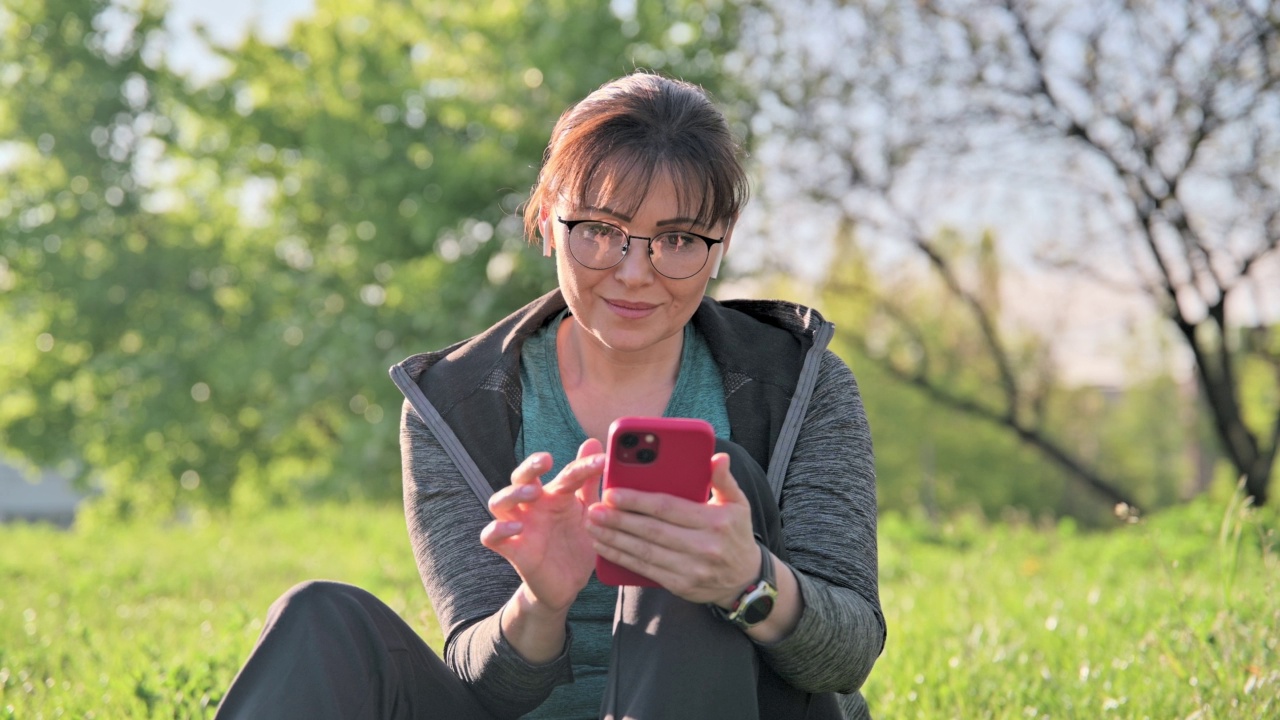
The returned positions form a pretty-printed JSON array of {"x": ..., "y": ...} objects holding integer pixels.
[{"x": 569, "y": 225}]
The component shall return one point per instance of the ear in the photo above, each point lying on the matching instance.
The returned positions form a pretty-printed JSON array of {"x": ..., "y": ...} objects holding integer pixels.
[{"x": 544, "y": 226}]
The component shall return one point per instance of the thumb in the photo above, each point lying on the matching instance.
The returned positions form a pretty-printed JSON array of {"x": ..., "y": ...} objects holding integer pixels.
[
  {"x": 589, "y": 492},
  {"x": 724, "y": 487}
]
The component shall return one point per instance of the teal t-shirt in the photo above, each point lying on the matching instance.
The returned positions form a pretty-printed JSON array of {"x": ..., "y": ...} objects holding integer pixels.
[{"x": 549, "y": 425}]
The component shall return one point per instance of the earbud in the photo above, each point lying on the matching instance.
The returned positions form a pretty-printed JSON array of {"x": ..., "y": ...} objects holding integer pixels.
[
  {"x": 546, "y": 243},
  {"x": 718, "y": 252}
]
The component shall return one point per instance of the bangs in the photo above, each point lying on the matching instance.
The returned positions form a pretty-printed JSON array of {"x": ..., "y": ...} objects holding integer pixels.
[
  {"x": 607, "y": 150},
  {"x": 621, "y": 181}
]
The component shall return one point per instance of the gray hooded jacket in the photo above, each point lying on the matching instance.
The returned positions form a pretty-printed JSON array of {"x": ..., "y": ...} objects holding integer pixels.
[{"x": 792, "y": 404}]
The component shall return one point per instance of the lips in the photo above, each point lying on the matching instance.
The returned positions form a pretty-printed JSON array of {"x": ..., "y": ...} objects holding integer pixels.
[{"x": 630, "y": 310}]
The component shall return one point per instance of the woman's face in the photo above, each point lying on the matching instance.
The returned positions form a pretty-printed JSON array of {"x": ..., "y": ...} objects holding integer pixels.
[{"x": 630, "y": 307}]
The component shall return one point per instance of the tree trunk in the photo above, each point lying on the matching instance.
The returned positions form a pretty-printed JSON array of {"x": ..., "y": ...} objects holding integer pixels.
[{"x": 1257, "y": 480}]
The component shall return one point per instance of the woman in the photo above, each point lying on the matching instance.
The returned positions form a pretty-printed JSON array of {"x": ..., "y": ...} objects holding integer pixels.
[{"x": 769, "y": 606}]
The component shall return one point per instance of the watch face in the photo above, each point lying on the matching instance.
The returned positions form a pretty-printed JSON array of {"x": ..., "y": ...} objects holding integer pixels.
[{"x": 758, "y": 610}]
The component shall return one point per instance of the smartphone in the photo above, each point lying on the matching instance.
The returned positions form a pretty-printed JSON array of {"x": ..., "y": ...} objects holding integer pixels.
[{"x": 656, "y": 454}]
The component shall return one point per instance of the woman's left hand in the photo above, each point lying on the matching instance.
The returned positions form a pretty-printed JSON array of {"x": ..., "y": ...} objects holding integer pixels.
[{"x": 702, "y": 552}]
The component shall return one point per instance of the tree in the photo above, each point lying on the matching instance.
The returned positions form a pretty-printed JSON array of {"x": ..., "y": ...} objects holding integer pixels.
[
  {"x": 203, "y": 285},
  {"x": 939, "y": 459},
  {"x": 1148, "y": 131}
]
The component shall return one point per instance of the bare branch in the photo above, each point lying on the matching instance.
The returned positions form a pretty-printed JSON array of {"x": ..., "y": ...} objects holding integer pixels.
[
  {"x": 1142, "y": 206},
  {"x": 1149, "y": 115},
  {"x": 1088, "y": 272},
  {"x": 981, "y": 314},
  {"x": 1252, "y": 259},
  {"x": 1029, "y": 435},
  {"x": 1200, "y": 259}
]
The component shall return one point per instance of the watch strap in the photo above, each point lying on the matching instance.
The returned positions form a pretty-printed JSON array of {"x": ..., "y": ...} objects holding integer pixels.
[
  {"x": 766, "y": 566},
  {"x": 758, "y": 597}
]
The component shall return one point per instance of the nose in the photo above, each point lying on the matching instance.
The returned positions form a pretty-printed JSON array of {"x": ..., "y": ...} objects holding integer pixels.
[{"x": 635, "y": 269}]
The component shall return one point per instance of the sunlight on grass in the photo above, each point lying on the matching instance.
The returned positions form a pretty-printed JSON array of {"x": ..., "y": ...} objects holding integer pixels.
[
  {"x": 1173, "y": 617},
  {"x": 154, "y": 622},
  {"x": 1167, "y": 618}
]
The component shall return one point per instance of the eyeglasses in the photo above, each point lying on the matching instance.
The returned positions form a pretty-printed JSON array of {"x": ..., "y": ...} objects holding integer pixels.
[{"x": 600, "y": 245}]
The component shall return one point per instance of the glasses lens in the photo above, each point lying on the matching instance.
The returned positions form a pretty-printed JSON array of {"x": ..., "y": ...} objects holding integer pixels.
[
  {"x": 678, "y": 255},
  {"x": 597, "y": 245}
]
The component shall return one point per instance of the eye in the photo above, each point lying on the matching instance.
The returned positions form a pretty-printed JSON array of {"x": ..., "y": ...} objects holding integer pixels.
[
  {"x": 675, "y": 242},
  {"x": 600, "y": 232}
]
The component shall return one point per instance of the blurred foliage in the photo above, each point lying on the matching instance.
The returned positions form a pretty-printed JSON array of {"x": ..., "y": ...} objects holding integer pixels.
[{"x": 202, "y": 285}]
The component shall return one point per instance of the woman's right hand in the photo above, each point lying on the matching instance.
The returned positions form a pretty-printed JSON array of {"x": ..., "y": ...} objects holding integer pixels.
[{"x": 541, "y": 529}]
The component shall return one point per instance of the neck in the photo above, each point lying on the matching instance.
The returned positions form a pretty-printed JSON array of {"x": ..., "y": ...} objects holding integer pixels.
[{"x": 585, "y": 361}]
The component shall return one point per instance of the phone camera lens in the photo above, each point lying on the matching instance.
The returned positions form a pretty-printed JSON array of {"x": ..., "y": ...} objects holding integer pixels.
[
  {"x": 629, "y": 440},
  {"x": 647, "y": 455}
]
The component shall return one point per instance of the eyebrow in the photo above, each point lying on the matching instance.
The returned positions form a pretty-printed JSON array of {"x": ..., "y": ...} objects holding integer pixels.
[{"x": 627, "y": 218}]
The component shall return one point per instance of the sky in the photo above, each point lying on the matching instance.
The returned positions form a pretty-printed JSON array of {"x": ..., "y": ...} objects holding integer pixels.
[{"x": 226, "y": 21}]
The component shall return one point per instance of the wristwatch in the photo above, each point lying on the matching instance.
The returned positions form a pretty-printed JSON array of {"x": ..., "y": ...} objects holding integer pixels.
[{"x": 757, "y": 601}]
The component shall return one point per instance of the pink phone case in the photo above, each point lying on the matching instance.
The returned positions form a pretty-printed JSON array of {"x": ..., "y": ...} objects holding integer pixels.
[{"x": 655, "y": 454}]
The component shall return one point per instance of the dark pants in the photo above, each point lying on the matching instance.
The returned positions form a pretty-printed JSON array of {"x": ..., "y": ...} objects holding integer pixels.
[{"x": 331, "y": 650}]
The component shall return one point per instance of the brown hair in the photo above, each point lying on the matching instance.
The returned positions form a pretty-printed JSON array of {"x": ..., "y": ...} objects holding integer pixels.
[{"x": 619, "y": 137}]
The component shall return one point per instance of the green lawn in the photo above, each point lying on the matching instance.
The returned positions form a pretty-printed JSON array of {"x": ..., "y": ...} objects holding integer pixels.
[{"x": 1174, "y": 617}]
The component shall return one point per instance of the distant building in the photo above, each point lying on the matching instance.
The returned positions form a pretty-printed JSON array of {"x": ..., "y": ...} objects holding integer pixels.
[{"x": 50, "y": 499}]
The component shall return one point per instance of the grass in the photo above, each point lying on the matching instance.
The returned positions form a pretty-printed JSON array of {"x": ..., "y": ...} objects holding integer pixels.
[
  {"x": 1174, "y": 617},
  {"x": 144, "y": 621}
]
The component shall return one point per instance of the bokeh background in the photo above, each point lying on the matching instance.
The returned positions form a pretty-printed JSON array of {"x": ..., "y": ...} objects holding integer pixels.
[{"x": 1046, "y": 231}]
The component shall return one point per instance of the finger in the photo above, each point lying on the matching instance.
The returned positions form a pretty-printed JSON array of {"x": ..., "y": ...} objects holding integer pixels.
[
  {"x": 589, "y": 492},
  {"x": 654, "y": 562},
  {"x": 507, "y": 500},
  {"x": 724, "y": 487},
  {"x": 590, "y": 446},
  {"x": 498, "y": 532},
  {"x": 531, "y": 470},
  {"x": 669, "y": 508},
  {"x": 576, "y": 474},
  {"x": 619, "y": 527}
]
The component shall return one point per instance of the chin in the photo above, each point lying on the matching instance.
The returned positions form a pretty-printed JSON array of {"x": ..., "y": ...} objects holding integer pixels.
[{"x": 627, "y": 341}]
